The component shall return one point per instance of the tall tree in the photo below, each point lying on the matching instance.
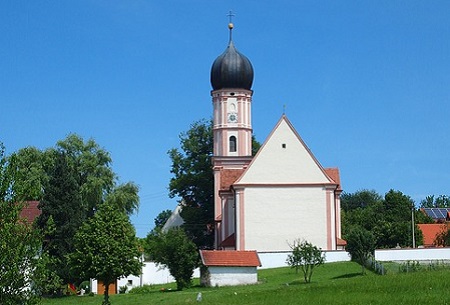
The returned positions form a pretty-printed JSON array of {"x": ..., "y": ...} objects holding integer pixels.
[
  {"x": 193, "y": 181},
  {"x": 28, "y": 167},
  {"x": 359, "y": 199},
  {"x": 442, "y": 201},
  {"x": 62, "y": 207},
  {"x": 106, "y": 247},
  {"x": 93, "y": 167},
  {"x": 19, "y": 244},
  {"x": 389, "y": 219},
  {"x": 125, "y": 197}
]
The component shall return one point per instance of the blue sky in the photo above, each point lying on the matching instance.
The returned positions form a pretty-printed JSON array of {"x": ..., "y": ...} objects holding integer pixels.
[{"x": 365, "y": 83}]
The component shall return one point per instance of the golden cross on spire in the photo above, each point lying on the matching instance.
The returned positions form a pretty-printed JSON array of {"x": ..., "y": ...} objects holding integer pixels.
[
  {"x": 230, "y": 16},
  {"x": 230, "y": 24}
]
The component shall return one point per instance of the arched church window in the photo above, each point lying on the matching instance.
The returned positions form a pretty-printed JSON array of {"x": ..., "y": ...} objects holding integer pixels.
[{"x": 233, "y": 144}]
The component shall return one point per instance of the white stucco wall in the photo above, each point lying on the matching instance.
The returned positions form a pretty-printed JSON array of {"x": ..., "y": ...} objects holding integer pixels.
[
  {"x": 276, "y": 216},
  {"x": 284, "y": 158},
  {"x": 151, "y": 274},
  {"x": 278, "y": 259},
  {"x": 231, "y": 276},
  {"x": 425, "y": 254}
]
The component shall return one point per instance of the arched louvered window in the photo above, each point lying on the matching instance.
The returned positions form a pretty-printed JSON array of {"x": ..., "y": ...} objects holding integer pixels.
[{"x": 233, "y": 144}]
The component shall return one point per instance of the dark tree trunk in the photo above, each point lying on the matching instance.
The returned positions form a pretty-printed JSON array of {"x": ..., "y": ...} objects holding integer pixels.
[{"x": 106, "y": 294}]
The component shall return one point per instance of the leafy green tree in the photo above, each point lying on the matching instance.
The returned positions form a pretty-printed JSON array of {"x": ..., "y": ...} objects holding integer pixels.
[
  {"x": 19, "y": 245},
  {"x": 359, "y": 199},
  {"x": 61, "y": 207},
  {"x": 28, "y": 168},
  {"x": 125, "y": 197},
  {"x": 388, "y": 218},
  {"x": 162, "y": 218},
  {"x": 177, "y": 252},
  {"x": 193, "y": 181},
  {"x": 92, "y": 164},
  {"x": 442, "y": 201},
  {"x": 305, "y": 256},
  {"x": 443, "y": 238},
  {"x": 360, "y": 245},
  {"x": 106, "y": 247}
]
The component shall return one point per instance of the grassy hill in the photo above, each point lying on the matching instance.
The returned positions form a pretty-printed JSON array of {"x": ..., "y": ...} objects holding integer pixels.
[{"x": 334, "y": 283}]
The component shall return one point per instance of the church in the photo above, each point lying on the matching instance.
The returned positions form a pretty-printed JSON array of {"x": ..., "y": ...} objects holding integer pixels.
[{"x": 267, "y": 201}]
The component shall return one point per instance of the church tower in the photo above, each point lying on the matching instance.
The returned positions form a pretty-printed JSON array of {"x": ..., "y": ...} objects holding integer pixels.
[{"x": 231, "y": 80}]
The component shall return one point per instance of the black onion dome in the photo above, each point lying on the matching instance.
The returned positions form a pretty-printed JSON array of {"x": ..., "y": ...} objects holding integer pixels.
[{"x": 231, "y": 70}]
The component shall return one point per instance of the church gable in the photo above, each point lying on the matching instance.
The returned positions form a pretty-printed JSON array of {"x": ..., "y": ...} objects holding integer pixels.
[{"x": 284, "y": 159}]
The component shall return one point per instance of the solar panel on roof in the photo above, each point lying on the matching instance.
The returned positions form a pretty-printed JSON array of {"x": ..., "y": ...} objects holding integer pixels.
[{"x": 437, "y": 213}]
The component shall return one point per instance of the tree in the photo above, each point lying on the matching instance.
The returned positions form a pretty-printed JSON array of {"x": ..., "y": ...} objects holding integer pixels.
[
  {"x": 443, "y": 238},
  {"x": 305, "y": 256},
  {"x": 79, "y": 179},
  {"x": 360, "y": 245},
  {"x": 106, "y": 247},
  {"x": 388, "y": 218},
  {"x": 193, "y": 181},
  {"x": 62, "y": 215},
  {"x": 177, "y": 252},
  {"x": 28, "y": 168},
  {"x": 359, "y": 199},
  {"x": 125, "y": 197},
  {"x": 92, "y": 164},
  {"x": 19, "y": 244},
  {"x": 162, "y": 218},
  {"x": 442, "y": 201}
]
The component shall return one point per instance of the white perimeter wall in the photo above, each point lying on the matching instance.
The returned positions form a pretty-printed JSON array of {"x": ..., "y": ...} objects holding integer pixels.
[
  {"x": 232, "y": 276},
  {"x": 278, "y": 259},
  {"x": 425, "y": 254},
  {"x": 276, "y": 216},
  {"x": 151, "y": 275}
]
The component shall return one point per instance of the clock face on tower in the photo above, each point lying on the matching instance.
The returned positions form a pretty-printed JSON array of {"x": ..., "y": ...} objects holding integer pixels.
[{"x": 232, "y": 117}]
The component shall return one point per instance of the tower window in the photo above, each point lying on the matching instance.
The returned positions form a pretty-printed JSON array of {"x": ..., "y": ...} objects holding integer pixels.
[
  {"x": 283, "y": 145},
  {"x": 233, "y": 144}
]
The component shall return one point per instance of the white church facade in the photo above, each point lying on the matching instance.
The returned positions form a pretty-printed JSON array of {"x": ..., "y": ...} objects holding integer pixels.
[{"x": 281, "y": 194}]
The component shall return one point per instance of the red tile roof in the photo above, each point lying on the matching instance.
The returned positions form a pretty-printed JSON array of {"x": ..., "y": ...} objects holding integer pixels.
[
  {"x": 30, "y": 211},
  {"x": 230, "y": 241},
  {"x": 228, "y": 177},
  {"x": 341, "y": 242},
  {"x": 333, "y": 173},
  {"x": 230, "y": 258},
  {"x": 430, "y": 231}
]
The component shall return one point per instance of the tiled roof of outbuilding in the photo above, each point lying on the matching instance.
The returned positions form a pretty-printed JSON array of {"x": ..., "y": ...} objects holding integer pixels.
[{"x": 230, "y": 258}]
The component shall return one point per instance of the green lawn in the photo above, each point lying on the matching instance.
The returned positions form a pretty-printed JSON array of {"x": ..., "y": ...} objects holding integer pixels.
[{"x": 334, "y": 283}]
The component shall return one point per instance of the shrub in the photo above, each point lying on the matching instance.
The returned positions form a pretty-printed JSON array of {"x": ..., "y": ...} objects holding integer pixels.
[
  {"x": 305, "y": 256},
  {"x": 143, "y": 289}
]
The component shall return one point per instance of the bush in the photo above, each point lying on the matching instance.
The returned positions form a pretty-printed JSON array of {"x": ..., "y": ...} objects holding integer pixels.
[
  {"x": 410, "y": 266},
  {"x": 305, "y": 256},
  {"x": 123, "y": 289},
  {"x": 360, "y": 245},
  {"x": 143, "y": 289}
]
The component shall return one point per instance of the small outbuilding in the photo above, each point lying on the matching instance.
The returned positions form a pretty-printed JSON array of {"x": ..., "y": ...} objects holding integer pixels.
[{"x": 229, "y": 268}]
